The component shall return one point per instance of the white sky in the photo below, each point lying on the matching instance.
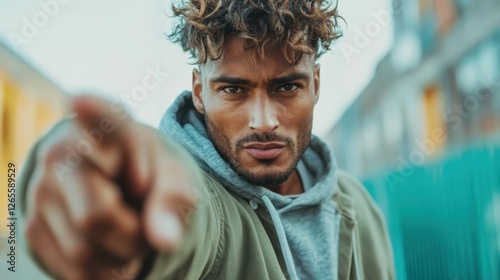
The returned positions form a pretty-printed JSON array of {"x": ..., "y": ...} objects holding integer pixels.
[{"x": 106, "y": 46}]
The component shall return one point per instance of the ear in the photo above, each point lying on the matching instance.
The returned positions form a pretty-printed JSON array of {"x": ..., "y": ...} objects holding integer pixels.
[
  {"x": 197, "y": 90},
  {"x": 317, "y": 68}
]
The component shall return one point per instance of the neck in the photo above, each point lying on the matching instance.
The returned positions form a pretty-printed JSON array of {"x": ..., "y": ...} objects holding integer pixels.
[{"x": 293, "y": 185}]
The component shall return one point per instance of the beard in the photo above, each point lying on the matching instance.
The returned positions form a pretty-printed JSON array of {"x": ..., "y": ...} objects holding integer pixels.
[{"x": 229, "y": 151}]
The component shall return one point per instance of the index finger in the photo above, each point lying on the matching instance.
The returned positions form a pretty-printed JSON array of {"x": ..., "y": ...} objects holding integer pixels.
[{"x": 97, "y": 113}]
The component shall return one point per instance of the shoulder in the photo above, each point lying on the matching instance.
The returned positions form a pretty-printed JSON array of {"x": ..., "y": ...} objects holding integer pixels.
[
  {"x": 374, "y": 246},
  {"x": 354, "y": 199},
  {"x": 351, "y": 185},
  {"x": 356, "y": 196}
]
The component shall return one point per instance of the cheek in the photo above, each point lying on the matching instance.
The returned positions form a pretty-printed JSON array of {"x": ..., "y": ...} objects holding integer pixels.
[
  {"x": 229, "y": 120},
  {"x": 295, "y": 116}
]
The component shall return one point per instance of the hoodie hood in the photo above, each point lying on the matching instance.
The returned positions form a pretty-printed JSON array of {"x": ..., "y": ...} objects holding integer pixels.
[
  {"x": 302, "y": 234},
  {"x": 184, "y": 124}
]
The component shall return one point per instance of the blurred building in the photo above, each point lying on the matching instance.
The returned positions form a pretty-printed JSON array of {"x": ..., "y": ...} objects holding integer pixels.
[
  {"x": 29, "y": 104},
  {"x": 442, "y": 75},
  {"x": 423, "y": 137}
]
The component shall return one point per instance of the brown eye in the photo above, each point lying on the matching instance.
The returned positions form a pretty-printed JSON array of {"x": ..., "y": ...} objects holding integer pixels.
[
  {"x": 232, "y": 90},
  {"x": 288, "y": 87}
]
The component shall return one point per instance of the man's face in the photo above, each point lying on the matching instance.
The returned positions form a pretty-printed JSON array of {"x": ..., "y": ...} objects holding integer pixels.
[{"x": 258, "y": 115}]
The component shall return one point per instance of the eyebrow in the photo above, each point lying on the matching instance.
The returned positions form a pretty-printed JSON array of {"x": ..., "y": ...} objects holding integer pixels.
[
  {"x": 227, "y": 79},
  {"x": 289, "y": 78}
]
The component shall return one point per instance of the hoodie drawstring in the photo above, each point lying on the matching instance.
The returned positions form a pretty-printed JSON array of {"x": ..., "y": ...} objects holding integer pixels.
[
  {"x": 285, "y": 249},
  {"x": 355, "y": 249}
]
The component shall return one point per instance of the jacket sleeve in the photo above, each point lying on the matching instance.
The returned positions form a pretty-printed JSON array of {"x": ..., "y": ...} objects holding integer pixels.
[
  {"x": 374, "y": 250},
  {"x": 199, "y": 251}
]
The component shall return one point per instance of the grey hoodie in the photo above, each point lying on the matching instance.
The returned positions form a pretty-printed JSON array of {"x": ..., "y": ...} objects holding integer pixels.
[{"x": 307, "y": 225}]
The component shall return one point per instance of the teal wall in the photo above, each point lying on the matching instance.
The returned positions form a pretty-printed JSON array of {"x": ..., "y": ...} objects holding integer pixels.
[{"x": 444, "y": 216}]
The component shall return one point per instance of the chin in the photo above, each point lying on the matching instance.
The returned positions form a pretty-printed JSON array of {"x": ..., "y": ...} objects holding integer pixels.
[
  {"x": 267, "y": 180},
  {"x": 266, "y": 174}
]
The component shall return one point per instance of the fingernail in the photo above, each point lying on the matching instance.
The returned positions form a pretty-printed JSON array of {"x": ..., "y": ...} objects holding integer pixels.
[{"x": 169, "y": 226}]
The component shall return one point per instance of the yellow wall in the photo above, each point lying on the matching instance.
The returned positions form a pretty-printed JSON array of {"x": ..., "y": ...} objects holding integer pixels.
[
  {"x": 433, "y": 112},
  {"x": 23, "y": 118}
]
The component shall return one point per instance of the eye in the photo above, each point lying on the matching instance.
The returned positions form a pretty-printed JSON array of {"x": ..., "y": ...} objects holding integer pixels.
[
  {"x": 288, "y": 88},
  {"x": 232, "y": 90}
]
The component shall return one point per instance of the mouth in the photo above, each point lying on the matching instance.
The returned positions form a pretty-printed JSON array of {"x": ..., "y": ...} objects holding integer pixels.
[{"x": 264, "y": 150}]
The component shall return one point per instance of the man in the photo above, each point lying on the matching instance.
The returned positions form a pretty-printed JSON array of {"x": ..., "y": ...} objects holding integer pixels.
[{"x": 236, "y": 188}]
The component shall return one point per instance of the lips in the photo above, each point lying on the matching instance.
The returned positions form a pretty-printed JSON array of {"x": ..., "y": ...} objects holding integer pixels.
[{"x": 264, "y": 150}]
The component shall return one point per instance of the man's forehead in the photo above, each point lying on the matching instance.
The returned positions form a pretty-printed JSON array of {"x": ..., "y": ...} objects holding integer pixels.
[{"x": 236, "y": 59}]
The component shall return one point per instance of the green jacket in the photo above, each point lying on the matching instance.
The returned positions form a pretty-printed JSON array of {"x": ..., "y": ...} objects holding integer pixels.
[{"x": 226, "y": 238}]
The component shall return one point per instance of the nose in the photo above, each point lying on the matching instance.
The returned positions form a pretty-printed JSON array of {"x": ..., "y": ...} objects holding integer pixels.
[{"x": 263, "y": 117}]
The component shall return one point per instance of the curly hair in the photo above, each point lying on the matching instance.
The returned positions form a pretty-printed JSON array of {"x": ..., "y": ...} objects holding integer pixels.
[{"x": 299, "y": 26}]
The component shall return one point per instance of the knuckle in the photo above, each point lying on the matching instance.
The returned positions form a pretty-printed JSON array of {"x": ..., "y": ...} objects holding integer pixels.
[
  {"x": 99, "y": 213},
  {"x": 79, "y": 253},
  {"x": 95, "y": 217},
  {"x": 110, "y": 199},
  {"x": 86, "y": 222}
]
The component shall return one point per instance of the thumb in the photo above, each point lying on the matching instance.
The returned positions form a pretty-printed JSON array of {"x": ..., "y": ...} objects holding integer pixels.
[
  {"x": 163, "y": 227},
  {"x": 167, "y": 209}
]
